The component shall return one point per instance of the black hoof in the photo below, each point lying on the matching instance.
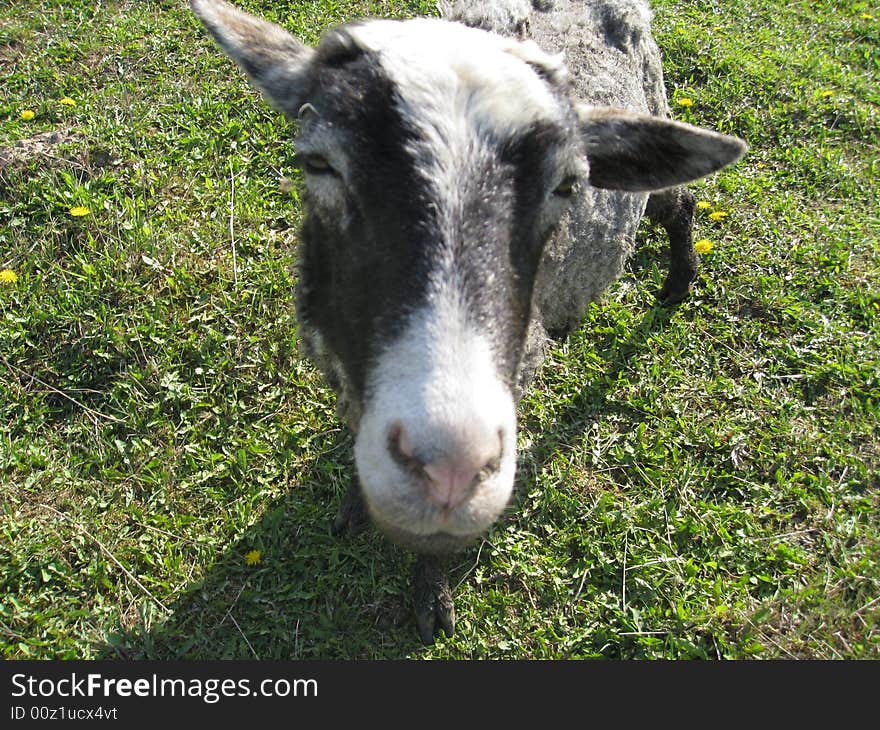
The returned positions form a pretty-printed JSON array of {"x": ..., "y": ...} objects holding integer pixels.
[
  {"x": 669, "y": 298},
  {"x": 676, "y": 288},
  {"x": 435, "y": 610},
  {"x": 351, "y": 517}
]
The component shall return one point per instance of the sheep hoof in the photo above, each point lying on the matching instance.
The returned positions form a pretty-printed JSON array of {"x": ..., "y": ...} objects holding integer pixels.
[
  {"x": 435, "y": 610},
  {"x": 351, "y": 517},
  {"x": 676, "y": 288},
  {"x": 668, "y": 298}
]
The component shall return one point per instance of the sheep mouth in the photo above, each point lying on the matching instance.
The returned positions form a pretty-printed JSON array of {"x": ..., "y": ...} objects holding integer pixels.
[
  {"x": 411, "y": 522},
  {"x": 434, "y": 543}
]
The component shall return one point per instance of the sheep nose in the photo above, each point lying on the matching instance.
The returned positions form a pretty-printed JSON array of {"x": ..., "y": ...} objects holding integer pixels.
[{"x": 450, "y": 466}]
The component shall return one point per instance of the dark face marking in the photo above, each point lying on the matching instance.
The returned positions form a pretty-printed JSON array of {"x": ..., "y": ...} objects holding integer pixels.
[
  {"x": 527, "y": 161},
  {"x": 358, "y": 271}
]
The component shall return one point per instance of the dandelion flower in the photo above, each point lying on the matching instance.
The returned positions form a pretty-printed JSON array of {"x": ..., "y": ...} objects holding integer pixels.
[
  {"x": 867, "y": 16},
  {"x": 703, "y": 246},
  {"x": 28, "y": 114},
  {"x": 828, "y": 92},
  {"x": 253, "y": 557},
  {"x": 67, "y": 101},
  {"x": 718, "y": 215},
  {"x": 79, "y": 211},
  {"x": 8, "y": 276},
  {"x": 685, "y": 102},
  {"x": 704, "y": 205}
]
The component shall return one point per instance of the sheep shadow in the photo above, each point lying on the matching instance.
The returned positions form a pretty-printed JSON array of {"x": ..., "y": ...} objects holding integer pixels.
[
  {"x": 316, "y": 596},
  {"x": 309, "y": 594}
]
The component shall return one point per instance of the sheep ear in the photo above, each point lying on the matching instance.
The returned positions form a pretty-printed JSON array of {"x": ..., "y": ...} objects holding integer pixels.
[
  {"x": 640, "y": 153},
  {"x": 276, "y": 62}
]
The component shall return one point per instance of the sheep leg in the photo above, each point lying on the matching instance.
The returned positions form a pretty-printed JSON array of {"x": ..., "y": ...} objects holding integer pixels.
[
  {"x": 351, "y": 517},
  {"x": 674, "y": 210},
  {"x": 433, "y": 597}
]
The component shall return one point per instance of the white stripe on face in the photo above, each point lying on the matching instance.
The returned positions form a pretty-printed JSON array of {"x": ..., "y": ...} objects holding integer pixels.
[{"x": 438, "y": 383}]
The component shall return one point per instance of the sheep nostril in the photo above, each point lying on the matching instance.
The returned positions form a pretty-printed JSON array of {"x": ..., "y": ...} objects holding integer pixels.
[
  {"x": 490, "y": 468},
  {"x": 401, "y": 449},
  {"x": 404, "y": 444}
]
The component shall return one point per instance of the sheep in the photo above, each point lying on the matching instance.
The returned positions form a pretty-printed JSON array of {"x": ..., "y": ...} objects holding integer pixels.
[{"x": 472, "y": 183}]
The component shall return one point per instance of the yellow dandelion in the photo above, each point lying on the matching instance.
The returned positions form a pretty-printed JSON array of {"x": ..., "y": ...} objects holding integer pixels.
[
  {"x": 28, "y": 114},
  {"x": 704, "y": 205},
  {"x": 703, "y": 246},
  {"x": 867, "y": 16},
  {"x": 8, "y": 276},
  {"x": 718, "y": 215},
  {"x": 67, "y": 101},
  {"x": 79, "y": 211},
  {"x": 685, "y": 102},
  {"x": 825, "y": 94},
  {"x": 253, "y": 557}
]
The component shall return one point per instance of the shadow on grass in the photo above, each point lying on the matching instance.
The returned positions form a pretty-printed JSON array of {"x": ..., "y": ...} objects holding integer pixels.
[
  {"x": 314, "y": 596},
  {"x": 309, "y": 596}
]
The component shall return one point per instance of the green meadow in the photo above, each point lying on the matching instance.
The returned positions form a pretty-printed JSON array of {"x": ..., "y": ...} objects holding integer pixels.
[{"x": 698, "y": 481}]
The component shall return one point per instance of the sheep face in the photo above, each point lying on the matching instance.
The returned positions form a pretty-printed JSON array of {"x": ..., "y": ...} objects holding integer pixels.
[
  {"x": 434, "y": 176},
  {"x": 438, "y": 159}
]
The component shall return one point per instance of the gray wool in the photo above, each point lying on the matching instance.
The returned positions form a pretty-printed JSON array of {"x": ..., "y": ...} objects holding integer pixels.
[{"x": 612, "y": 60}]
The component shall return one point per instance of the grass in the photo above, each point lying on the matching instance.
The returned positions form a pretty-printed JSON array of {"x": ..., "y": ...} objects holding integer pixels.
[{"x": 695, "y": 482}]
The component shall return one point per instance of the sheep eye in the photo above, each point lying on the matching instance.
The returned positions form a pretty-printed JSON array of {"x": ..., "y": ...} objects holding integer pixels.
[
  {"x": 315, "y": 165},
  {"x": 566, "y": 188}
]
